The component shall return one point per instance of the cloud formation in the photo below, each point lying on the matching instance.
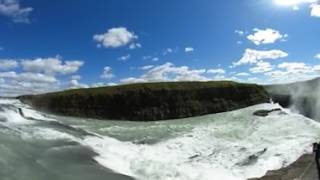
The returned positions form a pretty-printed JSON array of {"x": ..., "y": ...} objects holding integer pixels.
[
  {"x": 292, "y": 72},
  {"x": 6, "y": 64},
  {"x": 13, "y": 9},
  {"x": 75, "y": 84},
  {"x": 117, "y": 37},
  {"x": 51, "y": 65},
  {"x": 26, "y": 83},
  {"x": 265, "y": 36},
  {"x": 261, "y": 67},
  {"x": 168, "y": 72},
  {"x": 315, "y": 10},
  {"x": 107, "y": 73},
  {"x": 252, "y": 56},
  {"x": 189, "y": 49},
  {"x": 36, "y": 75},
  {"x": 216, "y": 71},
  {"x": 124, "y": 58}
]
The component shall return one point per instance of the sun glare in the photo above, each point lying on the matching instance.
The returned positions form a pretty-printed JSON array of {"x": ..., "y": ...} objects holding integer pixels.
[{"x": 292, "y": 2}]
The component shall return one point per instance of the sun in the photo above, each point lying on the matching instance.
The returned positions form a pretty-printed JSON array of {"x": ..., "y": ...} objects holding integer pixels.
[{"x": 292, "y": 2}]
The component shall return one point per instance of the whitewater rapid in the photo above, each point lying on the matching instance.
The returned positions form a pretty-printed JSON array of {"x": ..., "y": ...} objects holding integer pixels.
[{"x": 231, "y": 146}]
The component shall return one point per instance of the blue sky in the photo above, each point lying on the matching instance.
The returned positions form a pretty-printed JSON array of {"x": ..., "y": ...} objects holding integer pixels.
[{"x": 55, "y": 45}]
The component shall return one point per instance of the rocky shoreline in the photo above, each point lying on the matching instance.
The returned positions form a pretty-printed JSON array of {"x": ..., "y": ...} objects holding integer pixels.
[{"x": 302, "y": 169}]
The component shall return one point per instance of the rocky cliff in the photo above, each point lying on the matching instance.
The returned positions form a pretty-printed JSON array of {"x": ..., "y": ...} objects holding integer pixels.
[{"x": 150, "y": 101}]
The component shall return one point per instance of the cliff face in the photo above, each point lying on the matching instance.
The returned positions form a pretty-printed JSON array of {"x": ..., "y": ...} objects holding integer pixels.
[{"x": 150, "y": 101}]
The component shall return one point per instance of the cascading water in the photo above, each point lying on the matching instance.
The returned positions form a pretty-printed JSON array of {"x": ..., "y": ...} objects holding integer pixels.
[{"x": 231, "y": 145}]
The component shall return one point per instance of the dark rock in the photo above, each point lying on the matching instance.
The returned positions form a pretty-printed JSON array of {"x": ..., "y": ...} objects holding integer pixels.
[
  {"x": 194, "y": 157},
  {"x": 252, "y": 158},
  {"x": 264, "y": 113}
]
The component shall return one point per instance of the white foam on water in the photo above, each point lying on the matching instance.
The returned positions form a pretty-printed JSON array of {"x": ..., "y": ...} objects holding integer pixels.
[
  {"x": 27, "y": 129},
  {"x": 46, "y": 134},
  {"x": 13, "y": 117},
  {"x": 228, "y": 146},
  {"x": 8, "y": 101},
  {"x": 35, "y": 114},
  {"x": 218, "y": 148}
]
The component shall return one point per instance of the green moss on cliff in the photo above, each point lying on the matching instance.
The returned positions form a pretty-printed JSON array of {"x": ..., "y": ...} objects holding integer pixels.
[{"x": 150, "y": 101}]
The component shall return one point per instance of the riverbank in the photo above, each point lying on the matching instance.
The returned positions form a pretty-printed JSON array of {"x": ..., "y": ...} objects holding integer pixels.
[
  {"x": 150, "y": 101},
  {"x": 302, "y": 169}
]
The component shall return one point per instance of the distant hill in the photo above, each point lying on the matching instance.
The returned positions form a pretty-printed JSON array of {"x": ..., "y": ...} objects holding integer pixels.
[{"x": 150, "y": 101}]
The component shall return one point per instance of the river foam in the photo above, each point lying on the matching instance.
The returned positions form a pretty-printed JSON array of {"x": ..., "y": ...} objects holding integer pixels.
[
  {"x": 233, "y": 145},
  {"x": 228, "y": 146}
]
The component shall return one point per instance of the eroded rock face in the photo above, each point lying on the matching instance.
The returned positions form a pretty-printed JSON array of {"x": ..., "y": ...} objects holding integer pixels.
[{"x": 151, "y": 101}]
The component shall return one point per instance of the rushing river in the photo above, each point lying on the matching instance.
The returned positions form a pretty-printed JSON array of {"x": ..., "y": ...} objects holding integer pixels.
[{"x": 226, "y": 146}]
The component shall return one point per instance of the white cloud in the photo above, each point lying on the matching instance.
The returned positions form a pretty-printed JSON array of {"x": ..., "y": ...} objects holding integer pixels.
[
  {"x": 261, "y": 67},
  {"x": 117, "y": 37},
  {"x": 101, "y": 84},
  {"x": 279, "y": 76},
  {"x": 51, "y": 65},
  {"x": 107, "y": 73},
  {"x": 169, "y": 72},
  {"x": 124, "y": 58},
  {"x": 135, "y": 46},
  {"x": 146, "y": 57},
  {"x": 293, "y": 2},
  {"x": 295, "y": 67},
  {"x": 26, "y": 83},
  {"x": 216, "y": 71},
  {"x": 6, "y": 64},
  {"x": 316, "y": 68},
  {"x": 239, "y": 32},
  {"x": 253, "y": 80},
  {"x": 155, "y": 59},
  {"x": 243, "y": 74},
  {"x": 98, "y": 84},
  {"x": 220, "y": 77},
  {"x": 74, "y": 84},
  {"x": 147, "y": 67},
  {"x": 317, "y": 56},
  {"x": 252, "y": 56},
  {"x": 13, "y": 9},
  {"x": 266, "y": 36},
  {"x": 189, "y": 49},
  {"x": 315, "y": 10},
  {"x": 291, "y": 72},
  {"x": 76, "y": 77},
  {"x": 314, "y": 5},
  {"x": 37, "y": 76},
  {"x": 296, "y": 8},
  {"x": 29, "y": 77},
  {"x": 167, "y": 51}
]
